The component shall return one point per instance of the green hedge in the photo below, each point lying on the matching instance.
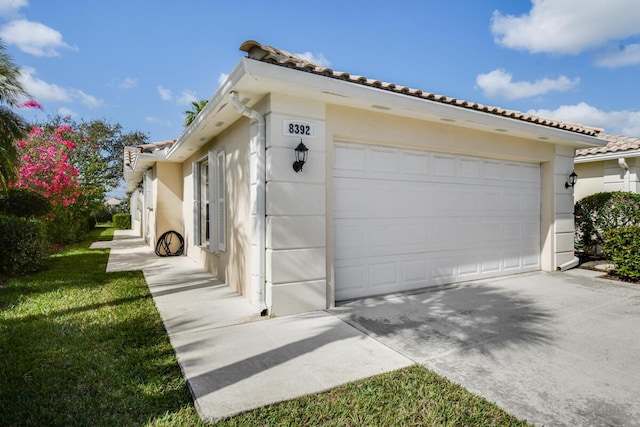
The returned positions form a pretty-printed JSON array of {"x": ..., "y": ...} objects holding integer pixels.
[
  {"x": 24, "y": 247},
  {"x": 600, "y": 212},
  {"x": 24, "y": 203},
  {"x": 622, "y": 248},
  {"x": 122, "y": 221},
  {"x": 67, "y": 228}
]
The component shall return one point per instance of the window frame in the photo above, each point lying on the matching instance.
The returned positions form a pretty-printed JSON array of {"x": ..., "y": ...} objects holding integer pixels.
[{"x": 209, "y": 196}]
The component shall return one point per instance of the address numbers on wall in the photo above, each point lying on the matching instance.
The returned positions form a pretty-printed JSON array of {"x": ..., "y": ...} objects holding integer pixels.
[{"x": 298, "y": 128}]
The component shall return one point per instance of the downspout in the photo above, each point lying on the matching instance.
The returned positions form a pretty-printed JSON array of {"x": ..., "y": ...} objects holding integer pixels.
[
  {"x": 261, "y": 208},
  {"x": 569, "y": 264},
  {"x": 623, "y": 164}
]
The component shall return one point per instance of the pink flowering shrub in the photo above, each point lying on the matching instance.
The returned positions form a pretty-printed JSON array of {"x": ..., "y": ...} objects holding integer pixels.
[
  {"x": 30, "y": 104},
  {"x": 45, "y": 166}
]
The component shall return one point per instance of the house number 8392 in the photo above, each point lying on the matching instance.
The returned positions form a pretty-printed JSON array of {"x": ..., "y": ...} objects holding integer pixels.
[{"x": 298, "y": 128}]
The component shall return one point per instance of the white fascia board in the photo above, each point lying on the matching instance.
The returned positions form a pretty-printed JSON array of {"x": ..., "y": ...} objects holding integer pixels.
[
  {"x": 145, "y": 160},
  {"x": 208, "y": 113},
  {"x": 133, "y": 174},
  {"x": 341, "y": 92},
  {"x": 607, "y": 156}
]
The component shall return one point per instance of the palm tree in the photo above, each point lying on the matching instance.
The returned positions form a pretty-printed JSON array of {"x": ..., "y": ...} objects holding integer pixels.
[
  {"x": 191, "y": 114},
  {"x": 12, "y": 126}
]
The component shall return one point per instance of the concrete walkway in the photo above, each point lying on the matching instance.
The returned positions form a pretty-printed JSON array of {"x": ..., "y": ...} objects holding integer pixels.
[{"x": 232, "y": 359}]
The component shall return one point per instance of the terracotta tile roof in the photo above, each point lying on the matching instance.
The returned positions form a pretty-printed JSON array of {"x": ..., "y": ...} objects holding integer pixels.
[
  {"x": 131, "y": 153},
  {"x": 153, "y": 146},
  {"x": 283, "y": 58},
  {"x": 617, "y": 144}
]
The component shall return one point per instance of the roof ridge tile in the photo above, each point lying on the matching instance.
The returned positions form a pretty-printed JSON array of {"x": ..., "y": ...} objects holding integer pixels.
[{"x": 272, "y": 55}]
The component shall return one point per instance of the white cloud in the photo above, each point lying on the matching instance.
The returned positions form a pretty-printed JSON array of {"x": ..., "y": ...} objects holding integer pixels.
[
  {"x": 500, "y": 84},
  {"x": 221, "y": 78},
  {"x": 619, "y": 122},
  {"x": 127, "y": 83},
  {"x": 63, "y": 111},
  {"x": 567, "y": 27},
  {"x": 33, "y": 38},
  {"x": 86, "y": 99},
  {"x": 165, "y": 93},
  {"x": 43, "y": 91},
  {"x": 156, "y": 120},
  {"x": 187, "y": 97},
  {"x": 11, "y": 7},
  {"x": 319, "y": 59},
  {"x": 624, "y": 55}
]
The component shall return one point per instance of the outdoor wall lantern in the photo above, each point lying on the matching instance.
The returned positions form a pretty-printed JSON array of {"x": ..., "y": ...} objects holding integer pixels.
[
  {"x": 572, "y": 180},
  {"x": 301, "y": 156}
]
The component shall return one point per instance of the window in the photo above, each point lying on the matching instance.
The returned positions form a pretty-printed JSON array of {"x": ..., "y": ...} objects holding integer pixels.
[
  {"x": 221, "y": 204},
  {"x": 210, "y": 202},
  {"x": 147, "y": 184}
]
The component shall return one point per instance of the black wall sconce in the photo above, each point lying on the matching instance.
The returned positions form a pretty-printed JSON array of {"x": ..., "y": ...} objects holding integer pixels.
[
  {"x": 572, "y": 180},
  {"x": 301, "y": 156}
]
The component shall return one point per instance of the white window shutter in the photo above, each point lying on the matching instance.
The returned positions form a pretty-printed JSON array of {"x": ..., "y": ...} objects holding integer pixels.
[
  {"x": 196, "y": 202},
  {"x": 213, "y": 197},
  {"x": 221, "y": 219},
  {"x": 146, "y": 184}
]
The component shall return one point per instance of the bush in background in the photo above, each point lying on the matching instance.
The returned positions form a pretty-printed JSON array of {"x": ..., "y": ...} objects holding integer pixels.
[
  {"x": 24, "y": 203},
  {"x": 122, "y": 221},
  {"x": 103, "y": 214},
  {"x": 622, "y": 248},
  {"x": 598, "y": 213},
  {"x": 24, "y": 246},
  {"x": 68, "y": 227}
]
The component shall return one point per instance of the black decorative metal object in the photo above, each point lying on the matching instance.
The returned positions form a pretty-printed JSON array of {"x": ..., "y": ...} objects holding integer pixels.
[{"x": 301, "y": 156}]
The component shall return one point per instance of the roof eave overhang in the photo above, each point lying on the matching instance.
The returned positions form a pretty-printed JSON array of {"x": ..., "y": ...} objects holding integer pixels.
[
  {"x": 607, "y": 156},
  {"x": 340, "y": 92},
  {"x": 133, "y": 173},
  {"x": 253, "y": 79},
  {"x": 216, "y": 116},
  {"x": 146, "y": 160}
]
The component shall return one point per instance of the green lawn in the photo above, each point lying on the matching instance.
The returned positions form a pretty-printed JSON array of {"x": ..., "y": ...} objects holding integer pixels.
[{"x": 79, "y": 346}]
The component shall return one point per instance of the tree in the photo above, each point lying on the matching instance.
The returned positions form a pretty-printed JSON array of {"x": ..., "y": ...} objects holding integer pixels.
[
  {"x": 98, "y": 155},
  {"x": 193, "y": 112},
  {"x": 73, "y": 164},
  {"x": 45, "y": 166},
  {"x": 12, "y": 127}
]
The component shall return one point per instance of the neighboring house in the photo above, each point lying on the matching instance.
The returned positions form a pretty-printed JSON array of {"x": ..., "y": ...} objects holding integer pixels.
[
  {"x": 139, "y": 168},
  {"x": 113, "y": 204},
  {"x": 401, "y": 188},
  {"x": 613, "y": 167}
]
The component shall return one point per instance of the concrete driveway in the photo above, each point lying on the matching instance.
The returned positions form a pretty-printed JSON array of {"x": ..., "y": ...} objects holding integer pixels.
[{"x": 553, "y": 348}]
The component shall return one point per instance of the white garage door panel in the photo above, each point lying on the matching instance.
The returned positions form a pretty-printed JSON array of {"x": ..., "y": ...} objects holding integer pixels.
[{"x": 406, "y": 219}]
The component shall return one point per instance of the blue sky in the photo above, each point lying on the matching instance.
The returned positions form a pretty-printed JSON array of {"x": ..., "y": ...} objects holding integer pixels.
[{"x": 141, "y": 62}]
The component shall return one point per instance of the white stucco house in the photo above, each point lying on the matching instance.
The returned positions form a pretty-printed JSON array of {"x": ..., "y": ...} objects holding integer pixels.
[
  {"x": 401, "y": 189},
  {"x": 613, "y": 167}
]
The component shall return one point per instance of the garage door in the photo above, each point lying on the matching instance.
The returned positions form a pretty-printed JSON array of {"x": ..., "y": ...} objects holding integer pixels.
[{"x": 406, "y": 219}]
